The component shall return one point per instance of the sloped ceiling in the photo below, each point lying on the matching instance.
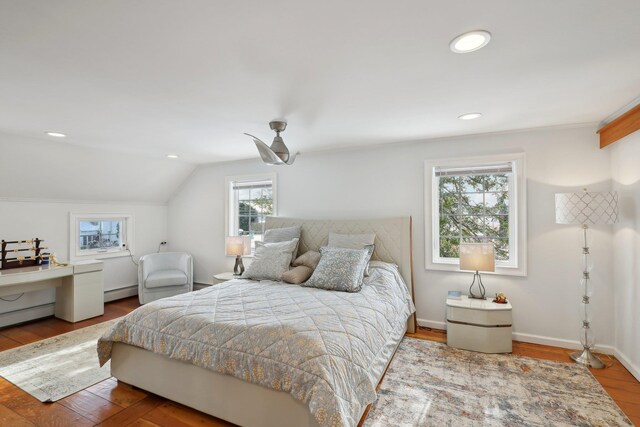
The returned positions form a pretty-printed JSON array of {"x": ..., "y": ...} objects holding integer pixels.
[
  {"x": 36, "y": 169},
  {"x": 162, "y": 76}
]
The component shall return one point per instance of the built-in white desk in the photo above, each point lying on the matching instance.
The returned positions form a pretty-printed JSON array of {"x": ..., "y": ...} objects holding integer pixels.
[{"x": 79, "y": 287}]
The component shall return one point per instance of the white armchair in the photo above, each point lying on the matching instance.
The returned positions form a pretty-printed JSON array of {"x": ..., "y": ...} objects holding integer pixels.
[{"x": 163, "y": 275}]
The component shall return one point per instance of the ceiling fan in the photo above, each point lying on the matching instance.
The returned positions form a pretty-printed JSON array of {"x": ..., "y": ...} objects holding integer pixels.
[{"x": 278, "y": 153}]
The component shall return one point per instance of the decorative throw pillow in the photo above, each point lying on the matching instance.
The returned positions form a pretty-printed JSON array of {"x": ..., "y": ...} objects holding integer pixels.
[
  {"x": 308, "y": 259},
  {"x": 270, "y": 261},
  {"x": 352, "y": 241},
  {"x": 340, "y": 269},
  {"x": 297, "y": 274},
  {"x": 286, "y": 234}
]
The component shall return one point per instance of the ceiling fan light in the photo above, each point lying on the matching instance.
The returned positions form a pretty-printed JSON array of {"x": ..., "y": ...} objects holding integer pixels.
[{"x": 280, "y": 149}]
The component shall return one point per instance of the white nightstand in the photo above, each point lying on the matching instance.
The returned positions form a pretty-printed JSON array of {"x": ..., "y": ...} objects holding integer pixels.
[
  {"x": 479, "y": 325},
  {"x": 223, "y": 277}
]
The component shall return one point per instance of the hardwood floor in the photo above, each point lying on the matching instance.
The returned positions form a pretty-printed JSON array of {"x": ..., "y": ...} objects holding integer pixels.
[{"x": 110, "y": 403}]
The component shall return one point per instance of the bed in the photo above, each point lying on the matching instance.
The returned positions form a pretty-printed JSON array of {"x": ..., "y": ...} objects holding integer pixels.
[{"x": 270, "y": 354}]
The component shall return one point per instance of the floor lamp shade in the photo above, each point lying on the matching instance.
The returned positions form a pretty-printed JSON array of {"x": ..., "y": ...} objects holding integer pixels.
[{"x": 586, "y": 208}]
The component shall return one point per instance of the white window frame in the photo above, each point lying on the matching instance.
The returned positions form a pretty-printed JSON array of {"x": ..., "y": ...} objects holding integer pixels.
[
  {"x": 228, "y": 202},
  {"x": 77, "y": 254},
  {"x": 517, "y": 213}
]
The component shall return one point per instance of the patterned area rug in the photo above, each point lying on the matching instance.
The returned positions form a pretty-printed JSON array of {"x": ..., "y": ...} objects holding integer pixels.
[
  {"x": 59, "y": 366},
  {"x": 430, "y": 384}
]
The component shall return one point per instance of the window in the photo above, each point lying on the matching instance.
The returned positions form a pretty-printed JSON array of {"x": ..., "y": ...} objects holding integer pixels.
[
  {"x": 250, "y": 199},
  {"x": 474, "y": 201},
  {"x": 100, "y": 235}
]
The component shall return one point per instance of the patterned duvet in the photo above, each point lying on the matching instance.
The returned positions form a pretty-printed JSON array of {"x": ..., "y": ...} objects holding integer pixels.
[{"x": 326, "y": 348}]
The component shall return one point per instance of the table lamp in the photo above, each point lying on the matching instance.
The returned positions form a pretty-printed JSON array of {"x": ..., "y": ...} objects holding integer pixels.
[
  {"x": 477, "y": 257},
  {"x": 586, "y": 208},
  {"x": 238, "y": 246}
]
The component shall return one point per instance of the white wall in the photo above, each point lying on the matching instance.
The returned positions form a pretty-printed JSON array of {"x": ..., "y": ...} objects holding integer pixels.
[
  {"x": 41, "y": 181},
  {"x": 21, "y": 220},
  {"x": 387, "y": 180},
  {"x": 625, "y": 167}
]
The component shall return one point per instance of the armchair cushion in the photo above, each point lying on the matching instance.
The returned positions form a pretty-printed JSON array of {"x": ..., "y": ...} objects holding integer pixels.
[{"x": 162, "y": 278}]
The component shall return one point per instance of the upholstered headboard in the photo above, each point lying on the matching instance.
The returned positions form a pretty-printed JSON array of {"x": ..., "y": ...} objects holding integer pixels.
[{"x": 393, "y": 240}]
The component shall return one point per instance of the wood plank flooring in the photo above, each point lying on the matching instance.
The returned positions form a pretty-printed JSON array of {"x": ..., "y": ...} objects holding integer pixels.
[{"x": 110, "y": 403}]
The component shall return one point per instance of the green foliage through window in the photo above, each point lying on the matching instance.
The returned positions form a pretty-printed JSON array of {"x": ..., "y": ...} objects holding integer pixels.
[
  {"x": 474, "y": 209},
  {"x": 254, "y": 204}
]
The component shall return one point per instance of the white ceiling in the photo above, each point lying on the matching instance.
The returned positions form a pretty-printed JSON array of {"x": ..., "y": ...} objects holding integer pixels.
[{"x": 189, "y": 77}]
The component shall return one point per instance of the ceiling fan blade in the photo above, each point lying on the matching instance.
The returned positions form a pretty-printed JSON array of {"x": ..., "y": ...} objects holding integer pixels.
[
  {"x": 292, "y": 158},
  {"x": 268, "y": 156}
]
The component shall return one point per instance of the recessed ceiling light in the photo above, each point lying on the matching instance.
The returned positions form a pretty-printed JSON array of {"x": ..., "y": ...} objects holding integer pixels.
[
  {"x": 172, "y": 156},
  {"x": 56, "y": 134},
  {"x": 470, "y": 116},
  {"x": 471, "y": 41}
]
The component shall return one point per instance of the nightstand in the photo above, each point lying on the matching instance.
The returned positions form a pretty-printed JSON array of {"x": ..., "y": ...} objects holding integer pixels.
[
  {"x": 223, "y": 277},
  {"x": 479, "y": 325}
]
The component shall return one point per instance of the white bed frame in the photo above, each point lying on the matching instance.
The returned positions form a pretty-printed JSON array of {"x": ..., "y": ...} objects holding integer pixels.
[{"x": 235, "y": 400}]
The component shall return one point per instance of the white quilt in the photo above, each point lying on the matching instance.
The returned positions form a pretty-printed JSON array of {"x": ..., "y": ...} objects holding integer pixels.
[{"x": 326, "y": 348}]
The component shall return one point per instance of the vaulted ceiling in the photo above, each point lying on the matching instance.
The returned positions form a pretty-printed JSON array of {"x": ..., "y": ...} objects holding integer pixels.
[{"x": 154, "y": 77}]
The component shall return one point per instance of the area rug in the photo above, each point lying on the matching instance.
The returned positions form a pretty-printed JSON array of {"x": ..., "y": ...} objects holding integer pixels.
[
  {"x": 58, "y": 366},
  {"x": 431, "y": 384}
]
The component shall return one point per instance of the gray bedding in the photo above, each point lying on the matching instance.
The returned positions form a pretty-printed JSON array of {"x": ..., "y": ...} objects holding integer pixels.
[{"x": 326, "y": 348}]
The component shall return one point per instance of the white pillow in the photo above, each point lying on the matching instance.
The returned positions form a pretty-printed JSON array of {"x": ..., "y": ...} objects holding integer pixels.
[{"x": 270, "y": 261}]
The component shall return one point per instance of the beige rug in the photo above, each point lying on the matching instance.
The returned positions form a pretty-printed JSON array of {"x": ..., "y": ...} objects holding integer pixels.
[
  {"x": 430, "y": 384},
  {"x": 59, "y": 366}
]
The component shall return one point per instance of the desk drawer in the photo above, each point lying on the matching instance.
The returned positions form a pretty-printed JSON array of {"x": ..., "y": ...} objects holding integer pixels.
[{"x": 479, "y": 317}]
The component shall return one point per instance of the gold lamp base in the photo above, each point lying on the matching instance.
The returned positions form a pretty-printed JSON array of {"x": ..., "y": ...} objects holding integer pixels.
[{"x": 586, "y": 358}]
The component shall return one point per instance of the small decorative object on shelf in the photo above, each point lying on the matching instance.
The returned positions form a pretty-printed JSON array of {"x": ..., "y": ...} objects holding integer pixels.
[
  {"x": 18, "y": 259},
  {"x": 500, "y": 298}
]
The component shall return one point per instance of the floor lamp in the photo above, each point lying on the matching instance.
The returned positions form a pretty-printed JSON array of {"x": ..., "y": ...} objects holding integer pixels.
[{"x": 585, "y": 209}]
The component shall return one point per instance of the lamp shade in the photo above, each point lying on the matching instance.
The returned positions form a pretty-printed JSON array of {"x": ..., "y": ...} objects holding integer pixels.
[
  {"x": 477, "y": 257},
  {"x": 237, "y": 245},
  {"x": 587, "y": 207}
]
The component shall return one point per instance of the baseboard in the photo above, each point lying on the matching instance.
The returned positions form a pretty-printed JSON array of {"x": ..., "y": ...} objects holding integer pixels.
[
  {"x": 26, "y": 314},
  {"x": 559, "y": 342},
  {"x": 635, "y": 370},
  {"x": 530, "y": 338},
  {"x": 114, "y": 294},
  {"x": 431, "y": 324}
]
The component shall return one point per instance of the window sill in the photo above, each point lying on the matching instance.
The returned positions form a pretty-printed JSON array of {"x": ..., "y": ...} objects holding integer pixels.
[
  {"x": 453, "y": 267},
  {"x": 101, "y": 255}
]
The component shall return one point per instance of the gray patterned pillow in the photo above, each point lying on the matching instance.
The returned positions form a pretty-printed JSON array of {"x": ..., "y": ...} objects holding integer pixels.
[
  {"x": 285, "y": 234},
  {"x": 340, "y": 269},
  {"x": 270, "y": 261},
  {"x": 352, "y": 241}
]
